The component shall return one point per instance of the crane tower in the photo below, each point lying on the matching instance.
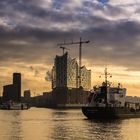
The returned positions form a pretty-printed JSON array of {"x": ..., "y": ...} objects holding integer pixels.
[{"x": 80, "y": 54}]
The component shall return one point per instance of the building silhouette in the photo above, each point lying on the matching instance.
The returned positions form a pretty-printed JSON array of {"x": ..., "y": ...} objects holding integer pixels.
[
  {"x": 27, "y": 94},
  {"x": 12, "y": 92},
  {"x": 65, "y": 73},
  {"x": 17, "y": 84}
]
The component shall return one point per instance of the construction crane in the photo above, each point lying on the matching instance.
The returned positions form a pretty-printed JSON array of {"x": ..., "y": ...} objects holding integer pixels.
[
  {"x": 80, "y": 54},
  {"x": 63, "y": 48}
]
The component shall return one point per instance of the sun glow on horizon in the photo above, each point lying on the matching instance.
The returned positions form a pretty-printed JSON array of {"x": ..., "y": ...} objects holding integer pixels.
[{"x": 35, "y": 81}]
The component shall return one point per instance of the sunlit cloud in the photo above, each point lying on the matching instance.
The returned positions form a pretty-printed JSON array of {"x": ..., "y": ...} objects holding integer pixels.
[{"x": 30, "y": 31}]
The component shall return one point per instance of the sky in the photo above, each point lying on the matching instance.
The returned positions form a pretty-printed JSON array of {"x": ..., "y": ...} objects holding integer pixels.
[{"x": 31, "y": 29}]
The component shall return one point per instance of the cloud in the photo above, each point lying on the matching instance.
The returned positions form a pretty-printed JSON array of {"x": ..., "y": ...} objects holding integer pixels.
[
  {"x": 35, "y": 71},
  {"x": 117, "y": 44},
  {"x": 48, "y": 76},
  {"x": 30, "y": 31}
]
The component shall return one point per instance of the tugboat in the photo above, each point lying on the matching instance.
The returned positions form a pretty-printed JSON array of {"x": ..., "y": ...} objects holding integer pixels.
[{"x": 106, "y": 102}]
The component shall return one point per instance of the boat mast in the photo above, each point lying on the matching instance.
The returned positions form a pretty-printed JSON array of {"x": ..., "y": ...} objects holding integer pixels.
[{"x": 106, "y": 74}]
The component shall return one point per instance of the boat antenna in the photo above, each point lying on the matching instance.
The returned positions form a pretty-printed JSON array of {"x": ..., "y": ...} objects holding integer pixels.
[{"x": 106, "y": 76}]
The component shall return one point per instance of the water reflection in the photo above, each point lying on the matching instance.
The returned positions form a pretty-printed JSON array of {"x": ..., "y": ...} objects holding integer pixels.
[
  {"x": 48, "y": 124},
  {"x": 106, "y": 130},
  {"x": 10, "y": 125},
  {"x": 16, "y": 126},
  {"x": 70, "y": 126}
]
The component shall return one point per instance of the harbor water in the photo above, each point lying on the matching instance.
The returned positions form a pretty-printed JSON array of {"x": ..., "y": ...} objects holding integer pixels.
[{"x": 60, "y": 124}]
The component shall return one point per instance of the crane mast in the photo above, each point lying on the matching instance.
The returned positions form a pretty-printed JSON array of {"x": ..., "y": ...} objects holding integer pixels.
[
  {"x": 80, "y": 54},
  {"x": 63, "y": 48}
]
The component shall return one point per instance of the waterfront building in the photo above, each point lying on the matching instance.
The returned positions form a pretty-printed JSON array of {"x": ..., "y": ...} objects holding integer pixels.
[
  {"x": 65, "y": 73},
  {"x": 85, "y": 78},
  {"x": 72, "y": 73},
  {"x": 9, "y": 92},
  {"x": 54, "y": 77},
  {"x": 13, "y": 91},
  {"x": 27, "y": 94},
  {"x": 17, "y": 84}
]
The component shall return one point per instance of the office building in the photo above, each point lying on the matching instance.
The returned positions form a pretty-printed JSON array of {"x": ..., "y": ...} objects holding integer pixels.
[
  {"x": 17, "y": 84},
  {"x": 12, "y": 92}
]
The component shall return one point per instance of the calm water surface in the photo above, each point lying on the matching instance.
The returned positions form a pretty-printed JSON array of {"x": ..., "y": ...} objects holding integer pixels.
[{"x": 49, "y": 124}]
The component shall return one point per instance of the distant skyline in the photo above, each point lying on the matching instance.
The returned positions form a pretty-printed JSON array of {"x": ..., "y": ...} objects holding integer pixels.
[{"x": 30, "y": 31}]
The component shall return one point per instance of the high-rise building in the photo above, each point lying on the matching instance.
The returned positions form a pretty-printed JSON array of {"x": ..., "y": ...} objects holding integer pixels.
[
  {"x": 53, "y": 77},
  {"x": 17, "y": 84},
  {"x": 72, "y": 73},
  {"x": 65, "y": 73},
  {"x": 13, "y": 91},
  {"x": 85, "y": 78},
  {"x": 9, "y": 92}
]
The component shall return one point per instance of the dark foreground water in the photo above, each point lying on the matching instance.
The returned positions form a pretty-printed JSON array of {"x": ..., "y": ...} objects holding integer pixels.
[{"x": 48, "y": 124}]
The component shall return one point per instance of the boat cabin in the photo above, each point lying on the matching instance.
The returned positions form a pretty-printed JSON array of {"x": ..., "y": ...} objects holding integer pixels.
[{"x": 107, "y": 96}]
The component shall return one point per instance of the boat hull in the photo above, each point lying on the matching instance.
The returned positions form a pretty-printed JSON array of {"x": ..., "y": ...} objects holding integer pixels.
[
  {"x": 109, "y": 112},
  {"x": 14, "y": 106}
]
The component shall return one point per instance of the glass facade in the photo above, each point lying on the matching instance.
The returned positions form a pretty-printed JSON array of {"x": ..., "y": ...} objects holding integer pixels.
[
  {"x": 85, "y": 78},
  {"x": 65, "y": 73}
]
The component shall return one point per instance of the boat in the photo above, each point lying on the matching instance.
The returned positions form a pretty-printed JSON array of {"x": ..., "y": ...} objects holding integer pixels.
[
  {"x": 109, "y": 102},
  {"x": 14, "y": 106}
]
